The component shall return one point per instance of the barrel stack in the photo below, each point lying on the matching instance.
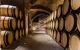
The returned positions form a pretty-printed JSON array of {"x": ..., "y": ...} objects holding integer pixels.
[
  {"x": 11, "y": 25},
  {"x": 63, "y": 24}
]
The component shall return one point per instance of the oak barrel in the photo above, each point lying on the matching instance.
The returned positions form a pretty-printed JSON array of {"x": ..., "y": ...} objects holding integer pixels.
[
  {"x": 56, "y": 24},
  {"x": 58, "y": 37},
  {"x": 16, "y": 35},
  {"x": 64, "y": 39},
  {"x": 58, "y": 11},
  {"x": 74, "y": 42},
  {"x": 61, "y": 23},
  {"x": 75, "y": 4},
  {"x": 70, "y": 22},
  {"x": 65, "y": 7}
]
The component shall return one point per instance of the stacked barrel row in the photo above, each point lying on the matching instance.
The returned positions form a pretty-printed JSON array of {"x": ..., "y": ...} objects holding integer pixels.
[
  {"x": 63, "y": 25},
  {"x": 11, "y": 25}
]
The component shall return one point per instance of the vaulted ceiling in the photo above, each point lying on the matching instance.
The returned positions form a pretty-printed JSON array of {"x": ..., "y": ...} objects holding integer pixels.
[{"x": 35, "y": 6}]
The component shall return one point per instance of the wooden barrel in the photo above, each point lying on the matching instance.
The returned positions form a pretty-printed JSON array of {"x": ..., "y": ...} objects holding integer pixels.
[
  {"x": 58, "y": 11},
  {"x": 78, "y": 22},
  {"x": 53, "y": 24},
  {"x": 64, "y": 39},
  {"x": 11, "y": 11},
  {"x": 7, "y": 38},
  {"x": 54, "y": 14},
  {"x": 56, "y": 24},
  {"x": 70, "y": 22},
  {"x": 16, "y": 35},
  {"x": 1, "y": 22},
  {"x": 22, "y": 24},
  {"x": 65, "y": 7},
  {"x": 4, "y": 10},
  {"x": 74, "y": 42},
  {"x": 54, "y": 34},
  {"x": 75, "y": 4},
  {"x": 21, "y": 33},
  {"x": 58, "y": 37},
  {"x": 16, "y": 12},
  {"x": 6, "y": 23},
  {"x": 18, "y": 24},
  {"x": 0, "y": 38},
  {"x": 10, "y": 37},
  {"x": 20, "y": 14},
  {"x": 61, "y": 23},
  {"x": 13, "y": 23},
  {"x": 3, "y": 41}
]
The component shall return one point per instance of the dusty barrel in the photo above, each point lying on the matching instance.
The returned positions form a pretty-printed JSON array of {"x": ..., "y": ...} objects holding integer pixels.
[
  {"x": 58, "y": 37},
  {"x": 1, "y": 22},
  {"x": 58, "y": 11},
  {"x": 16, "y": 36},
  {"x": 16, "y": 12},
  {"x": 74, "y": 42},
  {"x": 70, "y": 22},
  {"x": 65, "y": 7},
  {"x": 75, "y": 4},
  {"x": 4, "y": 10},
  {"x": 64, "y": 39},
  {"x": 56, "y": 24},
  {"x": 61, "y": 24}
]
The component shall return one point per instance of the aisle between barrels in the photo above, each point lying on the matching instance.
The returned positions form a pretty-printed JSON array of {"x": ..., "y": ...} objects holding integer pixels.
[{"x": 37, "y": 41}]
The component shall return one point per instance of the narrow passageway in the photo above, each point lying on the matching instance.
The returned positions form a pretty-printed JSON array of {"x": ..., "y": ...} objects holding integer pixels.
[{"x": 37, "y": 41}]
